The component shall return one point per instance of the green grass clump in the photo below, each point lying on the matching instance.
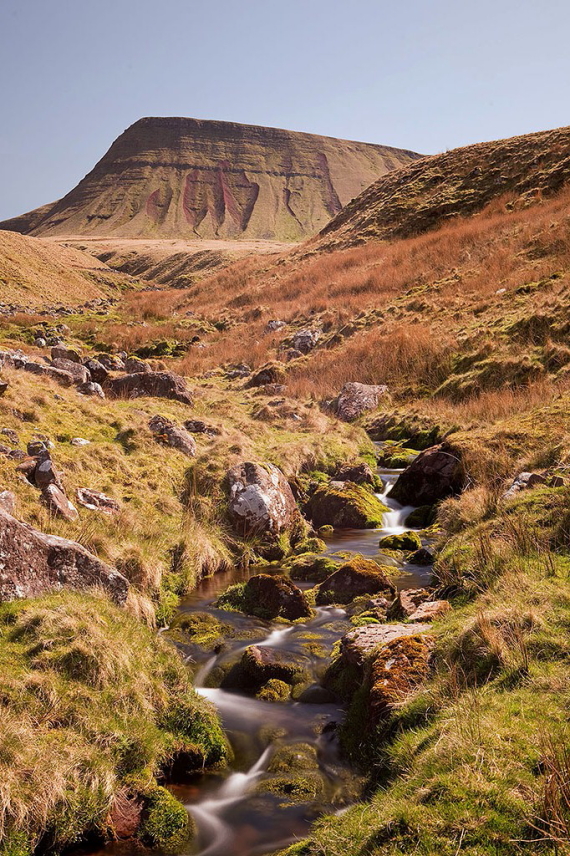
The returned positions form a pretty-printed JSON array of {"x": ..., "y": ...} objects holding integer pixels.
[{"x": 92, "y": 701}]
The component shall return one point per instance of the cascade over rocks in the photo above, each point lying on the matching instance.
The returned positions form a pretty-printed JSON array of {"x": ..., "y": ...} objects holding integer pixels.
[
  {"x": 260, "y": 499},
  {"x": 157, "y": 384},
  {"x": 357, "y": 398},
  {"x": 261, "y": 663},
  {"x": 33, "y": 563},
  {"x": 435, "y": 474}
]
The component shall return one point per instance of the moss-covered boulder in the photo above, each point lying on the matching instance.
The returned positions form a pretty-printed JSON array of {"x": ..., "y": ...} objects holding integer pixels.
[
  {"x": 406, "y": 541},
  {"x": 345, "y": 505},
  {"x": 311, "y": 567},
  {"x": 200, "y": 628},
  {"x": 260, "y": 664},
  {"x": 357, "y": 577},
  {"x": 274, "y": 690},
  {"x": 421, "y": 517},
  {"x": 166, "y": 824},
  {"x": 267, "y": 597}
]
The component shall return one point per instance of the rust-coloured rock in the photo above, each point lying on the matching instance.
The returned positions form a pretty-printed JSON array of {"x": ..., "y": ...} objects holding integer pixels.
[
  {"x": 400, "y": 667},
  {"x": 355, "y": 578},
  {"x": 430, "y": 611},
  {"x": 359, "y": 644},
  {"x": 406, "y": 603}
]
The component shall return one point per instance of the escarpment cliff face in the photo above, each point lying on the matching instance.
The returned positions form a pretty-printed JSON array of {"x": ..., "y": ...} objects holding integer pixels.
[{"x": 175, "y": 177}]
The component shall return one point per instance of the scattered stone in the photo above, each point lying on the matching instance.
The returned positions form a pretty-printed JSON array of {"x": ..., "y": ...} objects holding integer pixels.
[
  {"x": 316, "y": 694},
  {"x": 78, "y": 372},
  {"x": 406, "y": 603},
  {"x": 92, "y": 389},
  {"x": 240, "y": 371},
  {"x": 524, "y": 481},
  {"x": 435, "y": 474},
  {"x": 292, "y": 354},
  {"x": 60, "y": 352},
  {"x": 96, "y": 501},
  {"x": 134, "y": 364},
  {"x": 11, "y": 435},
  {"x": 63, "y": 377},
  {"x": 196, "y": 426},
  {"x": 305, "y": 340},
  {"x": 276, "y": 597},
  {"x": 423, "y": 556},
  {"x": 260, "y": 499},
  {"x": 357, "y": 398},
  {"x": 167, "y": 432},
  {"x": 360, "y": 643},
  {"x": 110, "y": 362},
  {"x": 357, "y": 577},
  {"x": 269, "y": 373},
  {"x": 4, "y": 385},
  {"x": 57, "y": 502},
  {"x": 261, "y": 663},
  {"x": 32, "y": 563},
  {"x": 360, "y": 473},
  {"x": 36, "y": 447},
  {"x": 156, "y": 384},
  {"x": 345, "y": 505},
  {"x": 97, "y": 370},
  {"x": 40, "y": 342},
  {"x": 430, "y": 611},
  {"x": 275, "y": 324},
  {"x": 80, "y": 441},
  {"x": 45, "y": 473}
]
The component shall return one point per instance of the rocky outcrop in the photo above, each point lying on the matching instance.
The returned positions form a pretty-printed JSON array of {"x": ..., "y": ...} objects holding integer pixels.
[
  {"x": 358, "y": 645},
  {"x": 190, "y": 178},
  {"x": 268, "y": 374},
  {"x": 357, "y": 577},
  {"x": 79, "y": 373},
  {"x": 358, "y": 398},
  {"x": 260, "y": 499},
  {"x": 524, "y": 481},
  {"x": 33, "y": 563},
  {"x": 155, "y": 384},
  {"x": 435, "y": 474},
  {"x": 345, "y": 505}
]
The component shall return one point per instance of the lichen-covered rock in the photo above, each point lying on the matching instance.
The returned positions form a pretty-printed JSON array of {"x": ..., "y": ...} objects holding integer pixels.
[
  {"x": 94, "y": 500},
  {"x": 435, "y": 474},
  {"x": 423, "y": 556},
  {"x": 63, "y": 377},
  {"x": 60, "y": 352},
  {"x": 430, "y": 611},
  {"x": 357, "y": 398},
  {"x": 167, "y": 432},
  {"x": 111, "y": 362},
  {"x": 260, "y": 499},
  {"x": 358, "y": 645},
  {"x": 400, "y": 667},
  {"x": 268, "y": 597},
  {"x": 345, "y": 505},
  {"x": 274, "y": 690},
  {"x": 57, "y": 503},
  {"x": 305, "y": 340},
  {"x": 357, "y": 577},
  {"x": 91, "y": 388},
  {"x": 79, "y": 373},
  {"x": 270, "y": 373},
  {"x": 134, "y": 365},
  {"x": 32, "y": 563},
  {"x": 524, "y": 481},
  {"x": 406, "y": 541},
  {"x": 97, "y": 370},
  {"x": 155, "y": 384}
]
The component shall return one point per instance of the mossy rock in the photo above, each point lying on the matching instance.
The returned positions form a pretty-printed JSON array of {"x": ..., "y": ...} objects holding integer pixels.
[
  {"x": 357, "y": 577},
  {"x": 293, "y": 757},
  {"x": 345, "y": 505},
  {"x": 166, "y": 824},
  {"x": 293, "y": 789},
  {"x": 202, "y": 629},
  {"x": 274, "y": 690},
  {"x": 267, "y": 597},
  {"x": 421, "y": 517},
  {"x": 311, "y": 567},
  {"x": 326, "y": 530},
  {"x": 310, "y": 545},
  {"x": 406, "y": 541},
  {"x": 260, "y": 664}
]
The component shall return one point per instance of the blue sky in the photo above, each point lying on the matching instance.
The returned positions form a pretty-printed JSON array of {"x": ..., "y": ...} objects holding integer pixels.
[{"x": 428, "y": 75}]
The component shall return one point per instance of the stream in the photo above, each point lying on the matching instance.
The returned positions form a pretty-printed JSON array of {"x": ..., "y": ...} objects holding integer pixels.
[{"x": 235, "y": 813}]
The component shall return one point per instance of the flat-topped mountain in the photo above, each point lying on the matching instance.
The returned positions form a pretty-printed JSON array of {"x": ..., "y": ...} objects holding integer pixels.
[{"x": 191, "y": 178}]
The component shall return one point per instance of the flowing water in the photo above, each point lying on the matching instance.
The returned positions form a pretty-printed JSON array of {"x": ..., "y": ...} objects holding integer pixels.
[{"x": 234, "y": 813}]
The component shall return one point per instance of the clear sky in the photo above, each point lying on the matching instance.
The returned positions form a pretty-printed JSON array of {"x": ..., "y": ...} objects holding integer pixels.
[{"x": 427, "y": 75}]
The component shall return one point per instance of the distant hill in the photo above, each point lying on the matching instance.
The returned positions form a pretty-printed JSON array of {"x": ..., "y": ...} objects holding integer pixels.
[
  {"x": 461, "y": 182},
  {"x": 188, "y": 178}
]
